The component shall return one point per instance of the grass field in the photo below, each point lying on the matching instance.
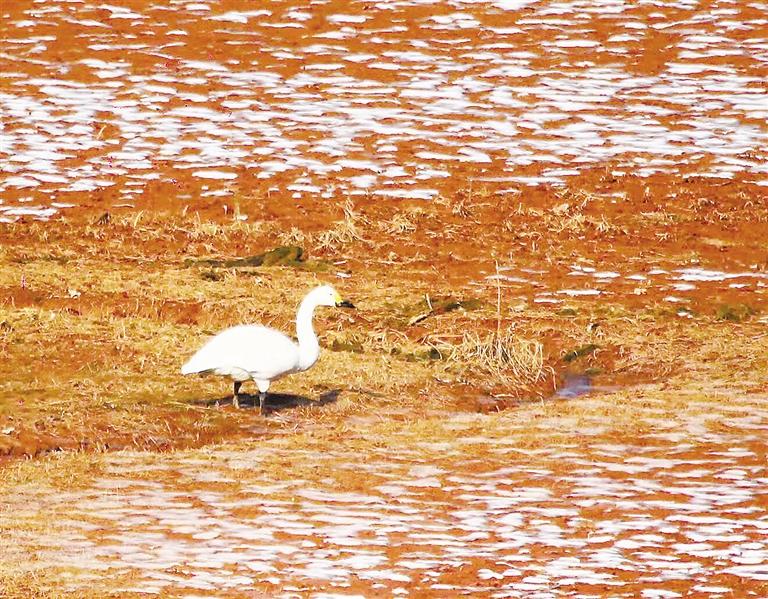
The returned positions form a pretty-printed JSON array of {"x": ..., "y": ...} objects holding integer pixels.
[{"x": 98, "y": 312}]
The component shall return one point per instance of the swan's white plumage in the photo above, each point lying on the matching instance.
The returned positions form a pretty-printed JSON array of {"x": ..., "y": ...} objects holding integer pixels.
[
  {"x": 246, "y": 352},
  {"x": 262, "y": 354}
]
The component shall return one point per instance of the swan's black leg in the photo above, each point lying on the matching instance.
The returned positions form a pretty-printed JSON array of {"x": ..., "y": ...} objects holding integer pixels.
[
  {"x": 262, "y": 397},
  {"x": 235, "y": 398}
]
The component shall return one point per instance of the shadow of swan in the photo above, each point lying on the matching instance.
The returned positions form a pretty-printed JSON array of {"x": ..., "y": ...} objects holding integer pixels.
[{"x": 275, "y": 402}]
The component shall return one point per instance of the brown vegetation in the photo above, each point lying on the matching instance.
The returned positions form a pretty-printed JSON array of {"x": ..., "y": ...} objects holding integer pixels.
[{"x": 97, "y": 313}]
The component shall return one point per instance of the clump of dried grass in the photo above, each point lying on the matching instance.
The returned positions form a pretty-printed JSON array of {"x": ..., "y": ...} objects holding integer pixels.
[
  {"x": 31, "y": 585},
  {"x": 150, "y": 226},
  {"x": 400, "y": 224},
  {"x": 294, "y": 236},
  {"x": 566, "y": 218},
  {"x": 501, "y": 355},
  {"x": 343, "y": 231}
]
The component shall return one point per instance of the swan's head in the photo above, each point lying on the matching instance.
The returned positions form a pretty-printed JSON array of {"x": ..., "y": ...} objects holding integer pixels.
[{"x": 328, "y": 296}]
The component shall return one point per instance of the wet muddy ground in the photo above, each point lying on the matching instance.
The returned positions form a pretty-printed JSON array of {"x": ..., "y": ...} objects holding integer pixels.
[
  {"x": 213, "y": 100},
  {"x": 582, "y": 183},
  {"x": 666, "y": 500}
]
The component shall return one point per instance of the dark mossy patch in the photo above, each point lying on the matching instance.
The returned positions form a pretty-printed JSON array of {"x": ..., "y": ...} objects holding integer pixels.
[
  {"x": 314, "y": 266},
  {"x": 567, "y": 312},
  {"x": 734, "y": 312},
  {"x": 580, "y": 352},
  {"x": 430, "y": 355},
  {"x": 211, "y": 275},
  {"x": 284, "y": 255},
  {"x": 46, "y": 257},
  {"x": 347, "y": 345}
]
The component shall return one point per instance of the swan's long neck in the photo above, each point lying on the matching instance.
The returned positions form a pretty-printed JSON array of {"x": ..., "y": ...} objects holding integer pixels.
[{"x": 309, "y": 348}]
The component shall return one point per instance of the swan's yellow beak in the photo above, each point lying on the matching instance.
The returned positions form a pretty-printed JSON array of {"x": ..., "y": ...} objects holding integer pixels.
[{"x": 342, "y": 303}]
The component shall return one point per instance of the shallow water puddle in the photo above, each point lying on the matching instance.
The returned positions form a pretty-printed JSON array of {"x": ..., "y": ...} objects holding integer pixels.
[
  {"x": 678, "y": 508},
  {"x": 394, "y": 99}
]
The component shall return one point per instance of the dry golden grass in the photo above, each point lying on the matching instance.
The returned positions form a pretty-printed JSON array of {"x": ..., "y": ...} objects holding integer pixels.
[
  {"x": 101, "y": 367},
  {"x": 156, "y": 225},
  {"x": 437, "y": 438},
  {"x": 30, "y": 585},
  {"x": 92, "y": 340},
  {"x": 343, "y": 232},
  {"x": 68, "y": 470},
  {"x": 501, "y": 356},
  {"x": 44, "y": 580},
  {"x": 294, "y": 236},
  {"x": 111, "y": 309},
  {"x": 400, "y": 224}
]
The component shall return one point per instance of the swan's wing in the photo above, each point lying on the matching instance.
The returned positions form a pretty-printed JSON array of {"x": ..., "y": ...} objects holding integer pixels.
[{"x": 244, "y": 352}]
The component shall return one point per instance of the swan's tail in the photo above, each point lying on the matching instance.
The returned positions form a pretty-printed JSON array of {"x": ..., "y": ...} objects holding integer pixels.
[{"x": 187, "y": 368}]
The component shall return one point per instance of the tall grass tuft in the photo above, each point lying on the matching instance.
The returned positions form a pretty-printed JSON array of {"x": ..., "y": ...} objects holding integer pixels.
[
  {"x": 502, "y": 356},
  {"x": 344, "y": 231}
]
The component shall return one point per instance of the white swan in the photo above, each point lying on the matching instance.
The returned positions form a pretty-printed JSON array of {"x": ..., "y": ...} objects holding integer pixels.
[{"x": 256, "y": 352}]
